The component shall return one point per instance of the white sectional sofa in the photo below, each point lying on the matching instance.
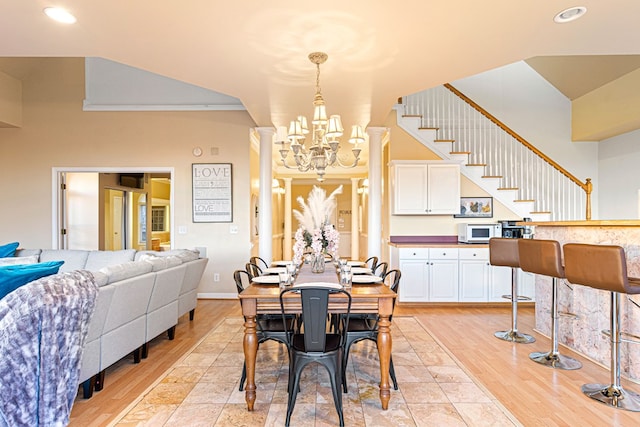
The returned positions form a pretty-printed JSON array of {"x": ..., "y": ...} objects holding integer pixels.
[{"x": 142, "y": 294}]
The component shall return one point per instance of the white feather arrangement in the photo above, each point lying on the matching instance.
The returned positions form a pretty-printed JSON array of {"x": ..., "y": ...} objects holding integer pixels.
[
  {"x": 318, "y": 208},
  {"x": 315, "y": 231}
]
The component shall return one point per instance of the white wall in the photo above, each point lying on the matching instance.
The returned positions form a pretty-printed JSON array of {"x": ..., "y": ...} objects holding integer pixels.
[
  {"x": 519, "y": 97},
  {"x": 619, "y": 180}
]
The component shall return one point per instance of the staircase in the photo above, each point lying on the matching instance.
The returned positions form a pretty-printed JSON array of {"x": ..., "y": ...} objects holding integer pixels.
[{"x": 493, "y": 156}]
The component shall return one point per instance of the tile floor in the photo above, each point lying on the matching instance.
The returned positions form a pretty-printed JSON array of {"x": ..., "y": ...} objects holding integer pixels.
[{"x": 202, "y": 388}]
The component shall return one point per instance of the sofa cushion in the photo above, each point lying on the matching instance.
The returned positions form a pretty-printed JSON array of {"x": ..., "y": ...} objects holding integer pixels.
[
  {"x": 100, "y": 278},
  {"x": 14, "y": 276},
  {"x": 125, "y": 270},
  {"x": 28, "y": 252},
  {"x": 8, "y": 250},
  {"x": 74, "y": 259},
  {"x": 19, "y": 260},
  {"x": 99, "y": 259}
]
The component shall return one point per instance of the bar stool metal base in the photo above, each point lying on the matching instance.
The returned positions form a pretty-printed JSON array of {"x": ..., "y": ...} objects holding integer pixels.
[
  {"x": 514, "y": 336},
  {"x": 555, "y": 360},
  {"x": 613, "y": 396}
]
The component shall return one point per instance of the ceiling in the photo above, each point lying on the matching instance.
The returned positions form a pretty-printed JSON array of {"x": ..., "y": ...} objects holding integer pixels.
[{"x": 257, "y": 52}]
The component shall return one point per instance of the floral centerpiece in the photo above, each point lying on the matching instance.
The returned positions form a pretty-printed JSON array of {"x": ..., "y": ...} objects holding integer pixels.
[{"x": 315, "y": 233}]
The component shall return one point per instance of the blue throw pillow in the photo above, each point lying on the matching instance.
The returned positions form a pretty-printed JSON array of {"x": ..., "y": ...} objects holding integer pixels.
[
  {"x": 14, "y": 276},
  {"x": 8, "y": 250}
]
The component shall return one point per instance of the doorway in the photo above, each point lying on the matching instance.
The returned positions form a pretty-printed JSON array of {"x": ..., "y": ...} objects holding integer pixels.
[{"x": 112, "y": 208}]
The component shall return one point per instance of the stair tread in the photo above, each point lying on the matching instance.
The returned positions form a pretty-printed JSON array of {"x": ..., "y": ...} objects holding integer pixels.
[
  {"x": 524, "y": 200},
  {"x": 476, "y": 164},
  {"x": 411, "y": 115},
  {"x": 540, "y": 212},
  {"x": 444, "y": 140},
  {"x": 508, "y": 188},
  {"x": 460, "y": 152},
  {"x": 428, "y": 128},
  {"x": 492, "y": 176}
]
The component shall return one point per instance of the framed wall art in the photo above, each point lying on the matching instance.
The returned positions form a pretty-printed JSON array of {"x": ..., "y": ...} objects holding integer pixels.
[
  {"x": 212, "y": 185},
  {"x": 475, "y": 207}
]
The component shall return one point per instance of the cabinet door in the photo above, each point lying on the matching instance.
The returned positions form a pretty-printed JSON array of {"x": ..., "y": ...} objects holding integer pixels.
[
  {"x": 443, "y": 189},
  {"x": 499, "y": 283},
  {"x": 414, "y": 284},
  {"x": 474, "y": 279},
  {"x": 410, "y": 192},
  {"x": 443, "y": 280},
  {"x": 527, "y": 284}
]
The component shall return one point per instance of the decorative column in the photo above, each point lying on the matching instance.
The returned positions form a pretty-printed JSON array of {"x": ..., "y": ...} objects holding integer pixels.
[
  {"x": 374, "y": 229},
  {"x": 355, "y": 236},
  {"x": 286, "y": 245},
  {"x": 265, "y": 221}
]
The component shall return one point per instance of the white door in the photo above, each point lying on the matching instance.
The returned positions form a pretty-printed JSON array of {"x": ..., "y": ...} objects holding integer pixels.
[
  {"x": 443, "y": 280},
  {"x": 415, "y": 279},
  {"x": 474, "y": 276}
]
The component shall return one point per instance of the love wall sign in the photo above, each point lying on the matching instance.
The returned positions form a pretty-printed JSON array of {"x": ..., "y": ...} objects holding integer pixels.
[{"x": 212, "y": 191}]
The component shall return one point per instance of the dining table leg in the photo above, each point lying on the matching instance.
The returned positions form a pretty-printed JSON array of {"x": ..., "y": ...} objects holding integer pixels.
[
  {"x": 384, "y": 351},
  {"x": 250, "y": 347}
]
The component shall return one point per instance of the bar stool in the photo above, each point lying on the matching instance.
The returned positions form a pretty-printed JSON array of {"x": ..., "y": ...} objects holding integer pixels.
[
  {"x": 605, "y": 267},
  {"x": 544, "y": 257},
  {"x": 504, "y": 253}
]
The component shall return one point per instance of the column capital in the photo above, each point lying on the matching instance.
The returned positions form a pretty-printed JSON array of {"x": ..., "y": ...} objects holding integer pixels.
[
  {"x": 376, "y": 131},
  {"x": 266, "y": 131}
]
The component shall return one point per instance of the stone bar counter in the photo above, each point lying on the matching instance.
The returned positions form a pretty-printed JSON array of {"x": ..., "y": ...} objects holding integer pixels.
[{"x": 592, "y": 307}]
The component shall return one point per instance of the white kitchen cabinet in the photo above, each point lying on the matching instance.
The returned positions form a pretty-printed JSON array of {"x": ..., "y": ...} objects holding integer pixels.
[
  {"x": 475, "y": 274},
  {"x": 443, "y": 275},
  {"x": 425, "y": 188},
  {"x": 450, "y": 274},
  {"x": 499, "y": 283},
  {"x": 414, "y": 267}
]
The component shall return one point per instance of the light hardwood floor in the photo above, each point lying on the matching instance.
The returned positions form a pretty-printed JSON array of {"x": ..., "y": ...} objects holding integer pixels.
[{"x": 535, "y": 395}]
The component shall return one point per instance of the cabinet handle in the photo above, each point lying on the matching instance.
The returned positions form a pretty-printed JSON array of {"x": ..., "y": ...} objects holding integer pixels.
[
  {"x": 474, "y": 254},
  {"x": 444, "y": 254}
]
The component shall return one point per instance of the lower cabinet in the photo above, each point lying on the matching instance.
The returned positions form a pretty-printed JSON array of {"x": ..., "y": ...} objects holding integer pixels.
[{"x": 456, "y": 275}]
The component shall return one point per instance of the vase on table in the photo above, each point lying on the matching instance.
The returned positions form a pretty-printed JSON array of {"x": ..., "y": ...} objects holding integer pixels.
[{"x": 317, "y": 263}]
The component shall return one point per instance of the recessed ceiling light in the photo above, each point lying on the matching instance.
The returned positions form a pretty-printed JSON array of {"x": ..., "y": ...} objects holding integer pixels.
[
  {"x": 570, "y": 14},
  {"x": 60, "y": 15}
]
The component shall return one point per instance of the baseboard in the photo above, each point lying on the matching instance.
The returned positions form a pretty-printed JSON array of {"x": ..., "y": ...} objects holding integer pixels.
[{"x": 215, "y": 295}]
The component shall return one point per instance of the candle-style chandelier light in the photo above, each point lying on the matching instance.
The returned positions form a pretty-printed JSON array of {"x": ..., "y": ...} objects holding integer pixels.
[{"x": 322, "y": 150}]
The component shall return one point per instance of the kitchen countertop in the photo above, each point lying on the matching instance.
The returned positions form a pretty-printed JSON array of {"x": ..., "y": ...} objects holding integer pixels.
[
  {"x": 592, "y": 223},
  {"x": 439, "y": 245},
  {"x": 431, "y": 242}
]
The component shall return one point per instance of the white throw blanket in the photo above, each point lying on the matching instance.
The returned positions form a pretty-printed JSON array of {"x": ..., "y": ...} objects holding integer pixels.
[{"x": 43, "y": 326}]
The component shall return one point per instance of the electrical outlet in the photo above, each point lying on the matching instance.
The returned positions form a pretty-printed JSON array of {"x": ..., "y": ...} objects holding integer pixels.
[{"x": 216, "y": 277}]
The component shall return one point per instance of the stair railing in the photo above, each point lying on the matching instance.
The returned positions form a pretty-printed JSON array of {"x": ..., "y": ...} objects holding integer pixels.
[{"x": 505, "y": 153}]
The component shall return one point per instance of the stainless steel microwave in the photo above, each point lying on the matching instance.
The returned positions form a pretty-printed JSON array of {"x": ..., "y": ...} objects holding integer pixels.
[{"x": 478, "y": 233}]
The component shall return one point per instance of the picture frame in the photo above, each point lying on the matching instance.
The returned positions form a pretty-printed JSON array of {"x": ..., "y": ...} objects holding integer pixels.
[
  {"x": 475, "y": 207},
  {"x": 212, "y": 191}
]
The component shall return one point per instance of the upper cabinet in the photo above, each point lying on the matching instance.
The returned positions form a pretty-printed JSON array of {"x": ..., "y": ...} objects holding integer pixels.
[{"x": 425, "y": 188}]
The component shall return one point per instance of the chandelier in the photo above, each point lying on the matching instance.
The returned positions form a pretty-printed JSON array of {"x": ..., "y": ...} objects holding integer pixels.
[{"x": 322, "y": 149}]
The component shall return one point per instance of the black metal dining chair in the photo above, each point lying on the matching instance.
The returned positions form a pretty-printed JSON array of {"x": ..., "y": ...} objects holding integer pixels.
[
  {"x": 259, "y": 262},
  {"x": 372, "y": 262},
  {"x": 316, "y": 342},
  {"x": 253, "y": 270},
  {"x": 380, "y": 269},
  {"x": 366, "y": 328},
  {"x": 268, "y": 326}
]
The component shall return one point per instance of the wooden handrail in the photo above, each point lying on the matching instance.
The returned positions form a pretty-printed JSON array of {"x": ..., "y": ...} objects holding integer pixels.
[{"x": 587, "y": 186}]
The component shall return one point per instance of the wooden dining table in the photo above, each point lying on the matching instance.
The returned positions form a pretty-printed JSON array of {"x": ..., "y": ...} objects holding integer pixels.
[{"x": 260, "y": 298}]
